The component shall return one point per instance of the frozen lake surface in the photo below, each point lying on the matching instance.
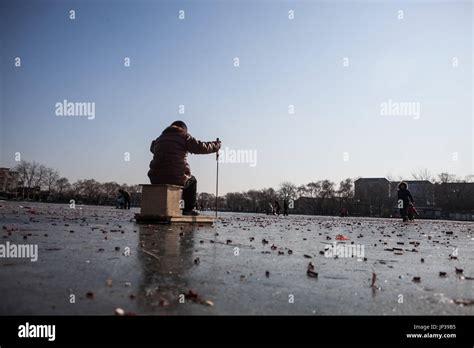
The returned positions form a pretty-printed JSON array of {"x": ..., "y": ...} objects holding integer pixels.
[{"x": 93, "y": 260}]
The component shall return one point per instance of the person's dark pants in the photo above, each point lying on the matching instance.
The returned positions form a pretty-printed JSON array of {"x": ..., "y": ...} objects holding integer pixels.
[
  {"x": 404, "y": 210},
  {"x": 404, "y": 213},
  {"x": 126, "y": 203},
  {"x": 189, "y": 193}
]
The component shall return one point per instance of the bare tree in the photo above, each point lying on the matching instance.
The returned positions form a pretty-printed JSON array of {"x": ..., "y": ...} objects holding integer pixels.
[
  {"x": 446, "y": 177},
  {"x": 109, "y": 190},
  {"x": 27, "y": 172},
  {"x": 206, "y": 200},
  {"x": 346, "y": 189},
  {"x": 287, "y": 190},
  {"x": 50, "y": 178},
  {"x": 236, "y": 201},
  {"x": 88, "y": 189},
  {"x": 22, "y": 169},
  {"x": 61, "y": 186},
  {"x": 327, "y": 189},
  {"x": 31, "y": 175},
  {"x": 39, "y": 176},
  {"x": 423, "y": 174},
  {"x": 302, "y": 191},
  {"x": 313, "y": 189},
  {"x": 469, "y": 178}
]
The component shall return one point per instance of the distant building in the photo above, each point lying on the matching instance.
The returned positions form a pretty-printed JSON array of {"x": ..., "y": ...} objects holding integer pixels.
[
  {"x": 455, "y": 196},
  {"x": 369, "y": 189},
  {"x": 8, "y": 180},
  {"x": 372, "y": 197},
  {"x": 378, "y": 197}
]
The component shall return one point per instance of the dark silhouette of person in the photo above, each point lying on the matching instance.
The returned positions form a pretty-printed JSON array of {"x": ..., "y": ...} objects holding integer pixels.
[
  {"x": 119, "y": 201},
  {"x": 126, "y": 199},
  {"x": 269, "y": 209},
  {"x": 404, "y": 200},
  {"x": 285, "y": 207},
  {"x": 170, "y": 166},
  {"x": 277, "y": 208}
]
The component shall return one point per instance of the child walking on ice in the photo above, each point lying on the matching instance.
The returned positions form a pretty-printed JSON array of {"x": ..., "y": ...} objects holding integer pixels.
[{"x": 404, "y": 200}]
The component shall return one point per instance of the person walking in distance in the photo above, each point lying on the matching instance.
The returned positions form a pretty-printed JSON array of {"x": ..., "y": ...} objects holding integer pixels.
[{"x": 404, "y": 200}]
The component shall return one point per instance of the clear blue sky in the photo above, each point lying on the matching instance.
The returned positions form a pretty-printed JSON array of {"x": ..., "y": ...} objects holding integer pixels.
[{"x": 282, "y": 62}]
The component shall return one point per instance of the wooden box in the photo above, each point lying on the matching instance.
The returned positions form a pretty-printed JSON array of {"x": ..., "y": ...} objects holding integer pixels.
[{"x": 161, "y": 200}]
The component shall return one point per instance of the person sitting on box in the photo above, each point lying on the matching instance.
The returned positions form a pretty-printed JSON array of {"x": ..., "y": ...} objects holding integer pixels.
[{"x": 169, "y": 165}]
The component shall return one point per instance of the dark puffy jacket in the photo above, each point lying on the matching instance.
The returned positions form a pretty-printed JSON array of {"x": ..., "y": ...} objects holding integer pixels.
[
  {"x": 169, "y": 164},
  {"x": 125, "y": 194},
  {"x": 405, "y": 196}
]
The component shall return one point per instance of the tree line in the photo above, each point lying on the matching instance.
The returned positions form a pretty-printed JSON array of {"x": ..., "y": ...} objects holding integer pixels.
[
  {"x": 259, "y": 200},
  {"x": 39, "y": 182}
]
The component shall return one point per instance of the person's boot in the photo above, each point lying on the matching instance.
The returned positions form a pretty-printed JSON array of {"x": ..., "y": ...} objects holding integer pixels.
[{"x": 191, "y": 212}]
